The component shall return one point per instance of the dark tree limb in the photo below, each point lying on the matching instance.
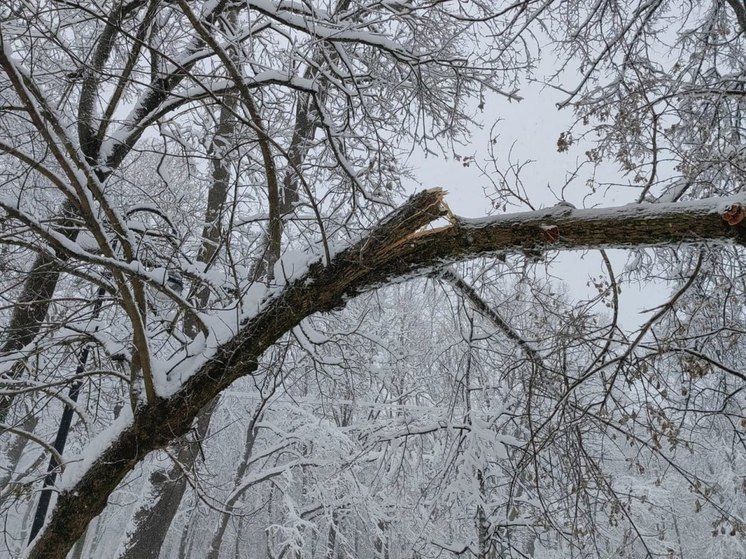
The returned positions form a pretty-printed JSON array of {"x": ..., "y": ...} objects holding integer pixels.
[
  {"x": 395, "y": 250},
  {"x": 485, "y": 309}
]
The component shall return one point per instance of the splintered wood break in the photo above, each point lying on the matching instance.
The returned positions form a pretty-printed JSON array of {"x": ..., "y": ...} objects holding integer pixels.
[
  {"x": 448, "y": 213},
  {"x": 445, "y": 212}
]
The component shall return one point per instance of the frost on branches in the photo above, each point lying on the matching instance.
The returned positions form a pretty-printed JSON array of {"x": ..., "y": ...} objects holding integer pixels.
[{"x": 227, "y": 331}]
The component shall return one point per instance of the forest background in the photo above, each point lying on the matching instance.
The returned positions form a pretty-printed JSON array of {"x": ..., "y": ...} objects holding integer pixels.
[{"x": 229, "y": 331}]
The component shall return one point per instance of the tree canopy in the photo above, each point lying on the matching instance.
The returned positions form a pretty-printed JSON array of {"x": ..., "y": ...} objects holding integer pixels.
[{"x": 226, "y": 325}]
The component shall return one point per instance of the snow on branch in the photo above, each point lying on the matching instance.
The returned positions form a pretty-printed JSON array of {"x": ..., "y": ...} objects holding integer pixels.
[{"x": 399, "y": 247}]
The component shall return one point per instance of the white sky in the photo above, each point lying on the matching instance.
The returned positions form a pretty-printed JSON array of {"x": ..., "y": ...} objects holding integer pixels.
[{"x": 531, "y": 129}]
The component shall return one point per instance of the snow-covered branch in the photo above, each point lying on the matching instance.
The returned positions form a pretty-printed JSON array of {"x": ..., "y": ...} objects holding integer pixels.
[{"x": 398, "y": 248}]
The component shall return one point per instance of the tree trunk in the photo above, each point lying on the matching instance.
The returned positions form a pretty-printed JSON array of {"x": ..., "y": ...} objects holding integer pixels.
[
  {"x": 13, "y": 456},
  {"x": 393, "y": 250},
  {"x": 153, "y": 519},
  {"x": 30, "y": 311},
  {"x": 381, "y": 543},
  {"x": 217, "y": 540}
]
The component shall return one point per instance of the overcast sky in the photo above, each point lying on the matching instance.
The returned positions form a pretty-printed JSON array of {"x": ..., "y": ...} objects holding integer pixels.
[{"x": 530, "y": 128}]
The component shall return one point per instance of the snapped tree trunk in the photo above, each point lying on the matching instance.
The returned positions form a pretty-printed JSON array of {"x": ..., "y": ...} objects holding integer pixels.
[{"x": 394, "y": 250}]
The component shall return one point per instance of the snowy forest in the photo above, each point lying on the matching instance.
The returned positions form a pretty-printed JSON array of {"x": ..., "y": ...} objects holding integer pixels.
[{"x": 234, "y": 323}]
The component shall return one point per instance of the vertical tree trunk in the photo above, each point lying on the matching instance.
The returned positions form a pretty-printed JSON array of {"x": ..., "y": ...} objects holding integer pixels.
[
  {"x": 237, "y": 547},
  {"x": 381, "y": 543},
  {"x": 30, "y": 310},
  {"x": 187, "y": 533},
  {"x": 153, "y": 520},
  {"x": 217, "y": 540},
  {"x": 481, "y": 522},
  {"x": 331, "y": 539},
  {"x": 13, "y": 455}
]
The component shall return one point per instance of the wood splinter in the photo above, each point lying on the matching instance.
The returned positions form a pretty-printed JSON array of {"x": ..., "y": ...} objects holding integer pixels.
[{"x": 551, "y": 233}]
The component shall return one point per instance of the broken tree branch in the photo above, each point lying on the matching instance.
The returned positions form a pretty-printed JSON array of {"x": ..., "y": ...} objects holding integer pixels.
[{"x": 395, "y": 250}]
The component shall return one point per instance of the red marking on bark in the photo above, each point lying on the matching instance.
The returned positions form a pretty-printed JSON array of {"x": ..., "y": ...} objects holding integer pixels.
[{"x": 734, "y": 214}]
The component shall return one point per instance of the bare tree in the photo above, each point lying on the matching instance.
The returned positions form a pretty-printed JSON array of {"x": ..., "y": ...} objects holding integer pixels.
[{"x": 276, "y": 132}]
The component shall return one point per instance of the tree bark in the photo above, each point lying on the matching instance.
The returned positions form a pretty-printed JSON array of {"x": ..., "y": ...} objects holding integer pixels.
[
  {"x": 31, "y": 309},
  {"x": 394, "y": 250},
  {"x": 153, "y": 519}
]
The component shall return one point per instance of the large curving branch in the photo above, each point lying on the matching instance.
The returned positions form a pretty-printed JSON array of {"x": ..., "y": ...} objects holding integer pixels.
[{"x": 394, "y": 250}]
